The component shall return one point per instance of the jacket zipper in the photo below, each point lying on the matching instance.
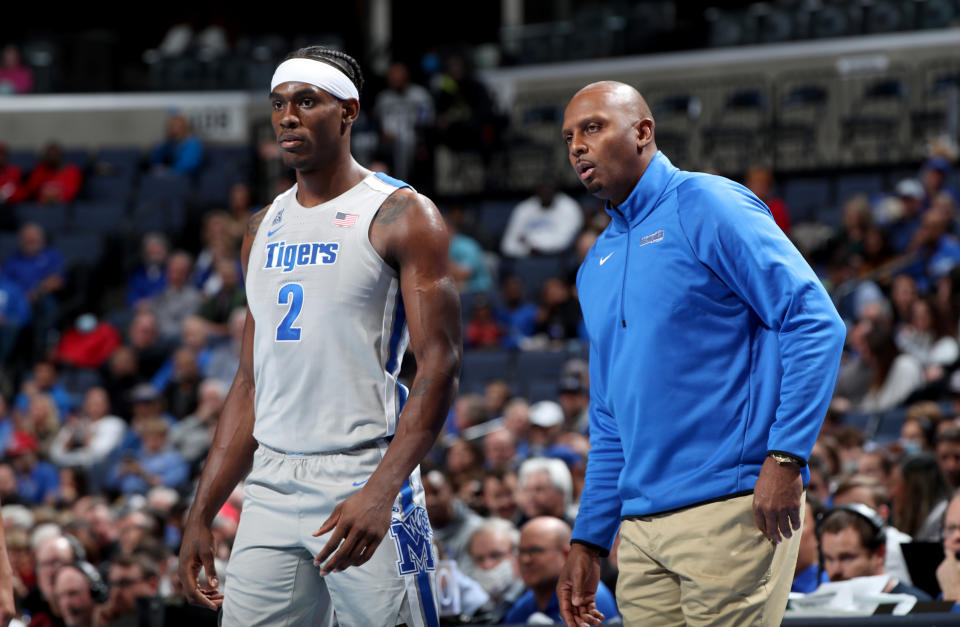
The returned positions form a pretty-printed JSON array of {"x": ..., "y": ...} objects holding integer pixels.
[{"x": 626, "y": 262}]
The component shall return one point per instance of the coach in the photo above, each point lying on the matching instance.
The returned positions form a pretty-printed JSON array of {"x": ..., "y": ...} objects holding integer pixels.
[{"x": 713, "y": 354}]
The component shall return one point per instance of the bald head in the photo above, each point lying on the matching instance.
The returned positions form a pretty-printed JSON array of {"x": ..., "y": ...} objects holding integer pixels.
[
  {"x": 608, "y": 128},
  {"x": 621, "y": 95},
  {"x": 549, "y": 528}
]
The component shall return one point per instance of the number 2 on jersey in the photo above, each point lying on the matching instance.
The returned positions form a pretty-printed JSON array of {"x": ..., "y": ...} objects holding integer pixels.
[{"x": 292, "y": 294}]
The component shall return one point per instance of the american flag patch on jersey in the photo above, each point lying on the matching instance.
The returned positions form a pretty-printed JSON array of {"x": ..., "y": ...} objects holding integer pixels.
[{"x": 345, "y": 219}]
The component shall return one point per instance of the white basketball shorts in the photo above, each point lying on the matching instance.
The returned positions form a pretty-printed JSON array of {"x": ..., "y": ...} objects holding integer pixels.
[{"x": 271, "y": 579}]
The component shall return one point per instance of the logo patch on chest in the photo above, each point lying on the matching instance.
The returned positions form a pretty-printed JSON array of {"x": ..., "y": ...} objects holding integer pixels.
[
  {"x": 286, "y": 257},
  {"x": 653, "y": 238}
]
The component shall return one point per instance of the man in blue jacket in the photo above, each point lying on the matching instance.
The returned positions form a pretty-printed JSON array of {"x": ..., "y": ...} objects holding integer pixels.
[{"x": 713, "y": 354}]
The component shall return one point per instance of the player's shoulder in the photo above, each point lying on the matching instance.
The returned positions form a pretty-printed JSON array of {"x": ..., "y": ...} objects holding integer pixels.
[
  {"x": 407, "y": 206},
  {"x": 253, "y": 222}
]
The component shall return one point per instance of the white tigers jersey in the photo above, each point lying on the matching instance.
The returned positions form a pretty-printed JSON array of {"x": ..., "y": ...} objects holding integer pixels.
[{"x": 330, "y": 324}]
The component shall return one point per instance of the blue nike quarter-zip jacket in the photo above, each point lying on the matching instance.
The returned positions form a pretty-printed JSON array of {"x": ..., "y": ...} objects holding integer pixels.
[{"x": 712, "y": 343}]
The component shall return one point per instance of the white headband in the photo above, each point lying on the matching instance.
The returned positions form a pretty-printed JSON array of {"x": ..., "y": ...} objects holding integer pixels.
[{"x": 317, "y": 73}]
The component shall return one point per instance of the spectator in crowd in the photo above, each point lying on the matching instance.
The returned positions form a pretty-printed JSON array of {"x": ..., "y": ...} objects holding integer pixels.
[
  {"x": 14, "y": 315},
  {"x": 516, "y": 315},
  {"x": 88, "y": 439},
  {"x": 452, "y": 521},
  {"x": 919, "y": 495},
  {"x": 37, "y": 481},
  {"x": 42, "y": 421},
  {"x": 219, "y": 242},
  {"x": 947, "y": 450},
  {"x": 483, "y": 330},
  {"x": 229, "y": 296},
  {"x": 895, "y": 375},
  {"x": 936, "y": 249},
  {"x": 808, "y": 575},
  {"x": 52, "y": 180},
  {"x": 143, "y": 337},
  {"x": 72, "y": 591},
  {"x": 935, "y": 177},
  {"x": 38, "y": 270},
  {"x": 182, "y": 389},
  {"x": 852, "y": 540},
  {"x": 225, "y": 356},
  {"x": 759, "y": 180},
  {"x": 546, "y": 423},
  {"x": 468, "y": 261},
  {"x": 870, "y": 492},
  {"x": 496, "y": 394},
  {"x": 155, "y": 465},
  {"x": 181, "y": 152},
  {"x": 130, "y": 578},
  {"x": 10, "y": 175},
  {"x": 492, "y": 548},
  {"x": 149, "y": 277},
  {"x": 929, "y": 339},
  {"x": 15, "y": 77},
  {"x": 87, "y": 343},
  {"x": 574, "y": 398},
  {"x": 819, "y": 483},
  {"x": 544, "y": 224},
  {"x": 119, "y": 376},
  {"x": 877, "y": 464},
  {"x": 546, "y": 489},
  {"x": 51, "y": 555},
  {"x": 403, "y": 111},
  {"x": 902, "y": 230},
  {"x": 500, "y": 494},
  {"x": 544, "y": 545},
  {"x": 467, "y": 118},
  {"x": 45, "y": 380},
  {"x": 948, "y": 572},
  {"x": 499, "y": 449},
  {"x": 558, "y": 318},
  {"x": 192, "y": 436},
  {"x": 178, "y": 299}
]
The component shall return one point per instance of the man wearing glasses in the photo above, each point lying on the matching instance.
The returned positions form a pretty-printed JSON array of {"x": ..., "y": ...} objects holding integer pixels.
[
  {"x": 130, "y": 578},
  {"x": 544, "y": 545}
]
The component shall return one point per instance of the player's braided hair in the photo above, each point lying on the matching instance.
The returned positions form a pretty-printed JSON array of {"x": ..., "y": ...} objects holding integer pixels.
[{"x": 340, "y": 60}]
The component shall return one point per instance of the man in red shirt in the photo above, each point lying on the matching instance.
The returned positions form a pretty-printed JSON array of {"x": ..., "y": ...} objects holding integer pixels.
[{"x": 52, "y": 180}]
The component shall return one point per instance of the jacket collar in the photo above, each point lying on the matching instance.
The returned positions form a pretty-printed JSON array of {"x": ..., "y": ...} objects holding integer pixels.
[{"x": 645, "y": 195}]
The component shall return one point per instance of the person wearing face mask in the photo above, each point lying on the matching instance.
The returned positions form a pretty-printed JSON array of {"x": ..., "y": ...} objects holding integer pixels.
[{"x": 492, "y": 548}]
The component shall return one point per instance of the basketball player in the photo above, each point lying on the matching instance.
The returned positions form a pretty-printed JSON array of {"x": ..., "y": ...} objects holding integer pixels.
[{"x": 337, "y": 268}]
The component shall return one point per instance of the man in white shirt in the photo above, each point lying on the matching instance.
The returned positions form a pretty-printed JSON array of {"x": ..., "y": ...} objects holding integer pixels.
[{"x": 544, "y": 224}]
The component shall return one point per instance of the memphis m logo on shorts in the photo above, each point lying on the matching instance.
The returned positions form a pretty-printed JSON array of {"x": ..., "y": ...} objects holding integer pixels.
[
  {"x": 289, "y": 256},
  {"x": 413, "y": 537}
]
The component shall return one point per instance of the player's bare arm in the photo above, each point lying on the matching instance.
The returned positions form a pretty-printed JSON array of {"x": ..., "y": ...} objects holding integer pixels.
[
  {"x": 410, "y": 235},
  {"x": 229, "y": 460}
]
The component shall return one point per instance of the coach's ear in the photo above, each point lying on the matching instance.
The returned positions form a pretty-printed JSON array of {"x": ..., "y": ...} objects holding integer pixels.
[{"x": 349, "y": 110}]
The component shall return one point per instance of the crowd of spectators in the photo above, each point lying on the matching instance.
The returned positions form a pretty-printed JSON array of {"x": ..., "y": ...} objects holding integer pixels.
[{"x": 106, "y": 414}]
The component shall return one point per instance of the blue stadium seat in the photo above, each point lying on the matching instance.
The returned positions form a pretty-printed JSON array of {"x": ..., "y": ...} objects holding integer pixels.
[
  {"x": 80, "y": 247},
  {"x": 100, "y": 187},
  {"x": 853, "y": 184},
  {"x": 158, "y": 214},
  {"x": 865, "y": 421},
  {"x": 541, "y": 391},
  {"x": 889, "y": 428},
  {"x": 79, "y": 157},
  {"x": 52, "y": 217},
  {"x": 8, "y": 245},
  {"x": 121, "y": 160},
  {"x": 807, "y": 198},
  {"x": 494, "y": 216},
  {"x": 155, "y": 186},
  {"x": 23, "y": 159},
  {"x": 536, "y": 270},
  {"x": 213, "y": 187},
  {"x": 540, "y": 366},
  {"x": 479, "y": 367},
  {"x": 105, "y": 216}
]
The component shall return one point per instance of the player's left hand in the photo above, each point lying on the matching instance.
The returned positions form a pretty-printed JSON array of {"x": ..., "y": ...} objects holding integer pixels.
[
  {"x": 359, "y": 524},
  {"x": 776, "y": 500}
]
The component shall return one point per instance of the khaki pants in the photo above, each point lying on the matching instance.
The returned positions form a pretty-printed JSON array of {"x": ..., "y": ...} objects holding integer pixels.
[{"x": 704, "y": 565}]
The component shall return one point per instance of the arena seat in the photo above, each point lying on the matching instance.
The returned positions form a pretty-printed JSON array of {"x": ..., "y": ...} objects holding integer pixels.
[
  {"x": 540, "y": 366},
  {"x": 103, "y": 216},
  {"x": 52, "y": 217},
  {"x": 479, "y": 367}
]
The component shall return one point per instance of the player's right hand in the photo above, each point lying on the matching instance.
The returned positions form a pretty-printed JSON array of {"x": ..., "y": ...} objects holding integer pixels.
[
  {"x": 577, "y": 588},
  {"x": 196, "y": 551}
]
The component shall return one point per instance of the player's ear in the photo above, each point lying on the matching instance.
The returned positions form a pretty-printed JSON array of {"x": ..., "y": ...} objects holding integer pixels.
[
  {"x": 349, "y": 110},
  {"x": 644, "y": 131}
]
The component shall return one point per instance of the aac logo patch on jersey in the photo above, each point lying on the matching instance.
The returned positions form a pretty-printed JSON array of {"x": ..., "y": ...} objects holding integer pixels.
[
  {"x": 288, "y": 256},
  {"x": 413, "y": 536}
]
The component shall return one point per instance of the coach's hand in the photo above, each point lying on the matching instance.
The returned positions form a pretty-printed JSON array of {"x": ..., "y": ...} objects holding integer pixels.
[
  {"x": 359, "y": 524},
  {"x": 577, "y": 587},
  {"x": 196, "y": 550},
  {"x": 776, "y": 500}
]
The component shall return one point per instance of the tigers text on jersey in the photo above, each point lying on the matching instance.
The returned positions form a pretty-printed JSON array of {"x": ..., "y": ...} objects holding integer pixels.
[{"x": 330, "y": 324}]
